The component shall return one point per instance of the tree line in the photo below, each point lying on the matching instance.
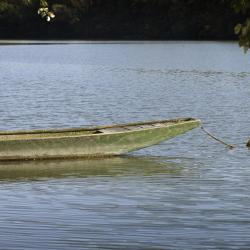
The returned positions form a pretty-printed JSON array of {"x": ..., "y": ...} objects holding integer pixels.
[{"x": 125, "y": 19}]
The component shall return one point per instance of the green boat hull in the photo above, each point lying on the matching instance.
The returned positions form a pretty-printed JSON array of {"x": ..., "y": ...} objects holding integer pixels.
[{"x": 90, "y": 142}]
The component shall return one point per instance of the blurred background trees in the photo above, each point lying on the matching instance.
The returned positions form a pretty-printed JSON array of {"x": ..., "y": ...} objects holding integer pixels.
[{"x": 125, "y": 19}]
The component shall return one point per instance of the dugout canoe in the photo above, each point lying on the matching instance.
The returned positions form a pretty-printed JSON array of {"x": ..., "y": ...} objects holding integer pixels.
[{"x": 89, "y": 141}]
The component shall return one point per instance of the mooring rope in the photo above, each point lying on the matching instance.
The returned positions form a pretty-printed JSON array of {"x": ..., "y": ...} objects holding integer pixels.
[{"x": 230, "y": 146}]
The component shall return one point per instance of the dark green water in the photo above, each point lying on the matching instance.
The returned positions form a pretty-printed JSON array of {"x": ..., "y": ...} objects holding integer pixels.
[{"x": 186, "y": 193}]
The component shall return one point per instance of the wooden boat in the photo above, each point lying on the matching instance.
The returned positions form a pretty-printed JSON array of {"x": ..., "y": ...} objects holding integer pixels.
[{"x": 89, "y": 142}]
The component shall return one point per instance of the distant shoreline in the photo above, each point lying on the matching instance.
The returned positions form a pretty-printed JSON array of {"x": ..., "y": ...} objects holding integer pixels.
[{"x": 80, "y": 41}]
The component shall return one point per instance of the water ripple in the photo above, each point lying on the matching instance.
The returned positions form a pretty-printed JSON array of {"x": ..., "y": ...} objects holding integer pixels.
[{"x": 186, "y": 193}]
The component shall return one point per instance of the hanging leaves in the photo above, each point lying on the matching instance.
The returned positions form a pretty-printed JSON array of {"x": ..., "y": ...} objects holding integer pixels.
[
  {"x": 44, "y": 11},
  {"x": 243, "y": 29}
]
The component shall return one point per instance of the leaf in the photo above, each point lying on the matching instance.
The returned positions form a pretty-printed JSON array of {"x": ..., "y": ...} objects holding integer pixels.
[
  {"x": 51, "y": 15},
  {"x": 237, "y": 28},
  {"x": 43, "y": 14},
  {"x": 244, "y": 31}
]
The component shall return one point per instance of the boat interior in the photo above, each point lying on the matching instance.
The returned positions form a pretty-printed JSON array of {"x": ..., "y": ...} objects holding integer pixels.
[{"x": 55, "y": 133}]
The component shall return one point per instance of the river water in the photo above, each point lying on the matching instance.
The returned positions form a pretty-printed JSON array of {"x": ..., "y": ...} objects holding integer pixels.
[{"x": 187, "y": 193}]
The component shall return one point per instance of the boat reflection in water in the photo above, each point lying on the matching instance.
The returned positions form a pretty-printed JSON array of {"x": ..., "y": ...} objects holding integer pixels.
[{"x": 115, "y": 166}]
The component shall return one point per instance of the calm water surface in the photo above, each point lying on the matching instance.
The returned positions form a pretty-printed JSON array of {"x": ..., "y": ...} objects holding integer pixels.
[{"x": 186, "y": 193}]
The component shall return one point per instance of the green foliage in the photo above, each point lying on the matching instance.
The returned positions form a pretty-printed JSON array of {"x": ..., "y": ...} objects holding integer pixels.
[
  {"x": 241, "y": 6},
  {"x": 243, "y": 29}
]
